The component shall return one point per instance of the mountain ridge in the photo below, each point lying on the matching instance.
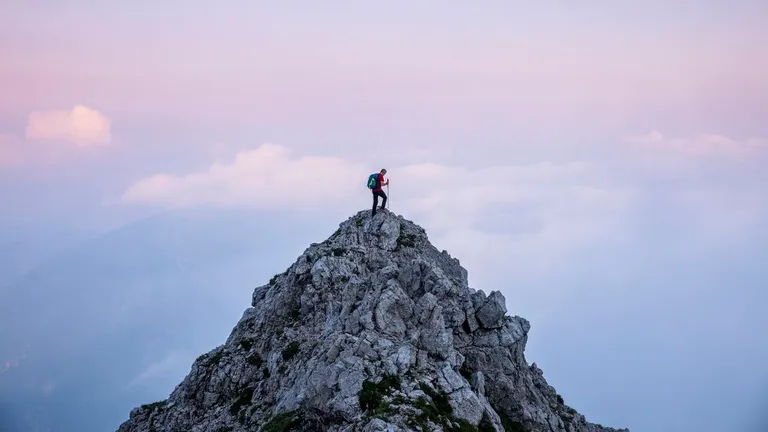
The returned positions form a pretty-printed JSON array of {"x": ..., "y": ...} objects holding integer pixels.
[{"x": 372, "y": 329}]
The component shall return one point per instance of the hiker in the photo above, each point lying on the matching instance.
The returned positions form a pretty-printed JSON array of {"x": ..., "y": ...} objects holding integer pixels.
[{"x": 375, "y": 182}]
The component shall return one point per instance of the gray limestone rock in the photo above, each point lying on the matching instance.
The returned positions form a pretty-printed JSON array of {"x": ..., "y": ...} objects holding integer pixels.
[
  {"x": 372, "y": 330},
  {"x": 491, "y": 313}
]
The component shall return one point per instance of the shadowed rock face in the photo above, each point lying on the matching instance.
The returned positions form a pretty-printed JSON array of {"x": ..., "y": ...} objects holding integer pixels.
[{"x": 372, "y": 330}]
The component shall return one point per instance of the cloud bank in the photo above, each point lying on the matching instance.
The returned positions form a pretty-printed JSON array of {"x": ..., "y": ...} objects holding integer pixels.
[
  {"x": 524, "y": 215},
  {"x": 80, "y": 125},
  {"x": 267, "y": 177},
  {"x": 700, "y": 145},
  {"x": 171, "y": 364},
  {"x": 528, "y": 213}
]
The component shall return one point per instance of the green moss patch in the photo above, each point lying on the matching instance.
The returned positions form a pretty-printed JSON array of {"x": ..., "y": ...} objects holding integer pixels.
[
  {"x": 246, "y": 344},
  {"x": 254, "y": 360},
  {"x": 151, "y": 407},
  {"x": 406, "y": 240},
  {"x": 372, "y": 395},
  {"x": 210, "y": 360},
  {"x": 439, "y": 400},
  {"x": 284, "y": 422},
  {"x": 243, "y": 399},
  {"x": 437, "y": 409}
]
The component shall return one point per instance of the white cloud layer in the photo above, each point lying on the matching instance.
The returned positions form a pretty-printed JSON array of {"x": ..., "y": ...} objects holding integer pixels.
[
  {"x": 267, "y": 177},
  {"x": 701, "y": 145},
  {"x": 524, "y": 216},
  {"x": 514, "y": 215},
  {"x": 80, "y": 125},
  {"x": 174, "y": 363}
]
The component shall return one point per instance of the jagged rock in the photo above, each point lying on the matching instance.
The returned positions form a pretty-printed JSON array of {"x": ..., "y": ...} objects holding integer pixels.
[
  {"x": 372, "y": 330},
  {"x": 491, "y": 313}
]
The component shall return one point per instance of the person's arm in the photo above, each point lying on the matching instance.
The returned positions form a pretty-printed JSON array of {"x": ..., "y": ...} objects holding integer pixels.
[{"x": 381, "y": 180}]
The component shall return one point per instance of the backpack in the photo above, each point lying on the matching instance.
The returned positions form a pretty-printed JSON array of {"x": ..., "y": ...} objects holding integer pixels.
[{"x": 373, "y": 180}]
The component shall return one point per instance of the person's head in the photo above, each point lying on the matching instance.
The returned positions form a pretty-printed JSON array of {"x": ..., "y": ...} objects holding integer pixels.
[{"x": 383, "y": 171}]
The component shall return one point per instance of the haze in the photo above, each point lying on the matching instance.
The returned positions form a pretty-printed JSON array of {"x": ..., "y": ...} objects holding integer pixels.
[{"x": 599, "y": 163}]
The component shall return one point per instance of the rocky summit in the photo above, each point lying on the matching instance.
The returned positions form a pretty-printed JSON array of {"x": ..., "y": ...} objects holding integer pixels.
[{"x": 373, "y": 329}]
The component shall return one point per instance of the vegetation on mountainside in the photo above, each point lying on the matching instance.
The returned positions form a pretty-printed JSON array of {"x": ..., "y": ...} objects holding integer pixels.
[
  {"x": 406, "y": 240},
  {"x": 372, "y": 395},
  {"x": 254, "y": 360},
  {"x": 151, "y": 407},
  {"x": 211, "y": 360},
  {"x": 284, "y": 422},
  {"x": 246, "y": 344}
]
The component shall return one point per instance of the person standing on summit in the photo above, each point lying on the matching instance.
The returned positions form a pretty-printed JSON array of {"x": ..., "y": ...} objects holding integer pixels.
[{"x": 375, "y": 182}]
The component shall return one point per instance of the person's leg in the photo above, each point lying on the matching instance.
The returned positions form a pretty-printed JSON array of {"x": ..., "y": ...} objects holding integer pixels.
[
  {"x": 375, "y": 202},
  {"x": 383, "y": 200}
]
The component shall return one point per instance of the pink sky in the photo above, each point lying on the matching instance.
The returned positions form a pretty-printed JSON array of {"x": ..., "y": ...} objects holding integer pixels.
[
  {"x": 465, "y": 66},
  {"x": 126, "y": 93}
]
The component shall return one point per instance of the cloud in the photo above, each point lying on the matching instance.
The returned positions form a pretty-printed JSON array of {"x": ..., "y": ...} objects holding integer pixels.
[
  {"x": 529, "y": 219},
  {"x": 5, "y": 367},
  {"x": 81, "y": 126},
  {"x": 427, "y": 187},
  {"x": 171, "y": 365},
  {"x": 268, "y": 177},
  {"x": 46, "y": 130},
  {"x": 722, "y": 214},
  {"x": 529, "y": 213},
  {"x": 523, "y": 218},
  {"x": 700, "y": 145},
  {"x": 12, "y": 362},
  {"x": 271, "y": 177}
]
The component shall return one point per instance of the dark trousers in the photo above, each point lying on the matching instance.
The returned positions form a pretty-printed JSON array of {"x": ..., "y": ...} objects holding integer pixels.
[{"x": 376, "y": 195}]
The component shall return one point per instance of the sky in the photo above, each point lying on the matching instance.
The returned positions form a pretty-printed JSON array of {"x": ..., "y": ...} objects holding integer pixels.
[{"x": 599, "y": 163}]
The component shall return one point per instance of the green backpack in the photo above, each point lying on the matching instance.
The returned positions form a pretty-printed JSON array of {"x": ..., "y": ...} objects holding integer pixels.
[{"x": 373, "y": 180}]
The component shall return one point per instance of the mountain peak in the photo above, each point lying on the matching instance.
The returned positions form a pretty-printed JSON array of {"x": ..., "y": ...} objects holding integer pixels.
[
  {"x": 386, "y": 231},
  {"x": 373, "y": 329}
]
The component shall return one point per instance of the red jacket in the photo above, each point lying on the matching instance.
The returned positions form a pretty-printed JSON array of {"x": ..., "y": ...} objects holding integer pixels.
[{"x": 379, "y": 182}]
